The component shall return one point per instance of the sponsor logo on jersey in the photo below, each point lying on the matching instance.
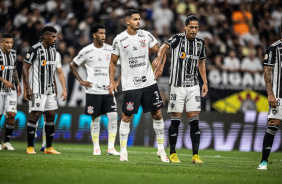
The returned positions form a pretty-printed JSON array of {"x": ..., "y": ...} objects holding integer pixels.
[
  {"x": 90, "y": 110},
  {"x": 141, "y": 35},
  {"x": 143, "y": 43},
  {"x": 126, "y": 46},
  {"x": 274, "y": 111},
  {"x": 99, "y": 59},
  {"x": 43, "y": 63},
  {"x": 13, "y": 102},
  {"x": 27, "y": 56},
  {"x": 172, "y": 105},
  {"x": 2, "y": 67},
  {"x": 135, "y": 48},
  {"x": 129, "y": 106},
  {"x": 138, "y": 80},
  {"x": 265, "y": 57}
]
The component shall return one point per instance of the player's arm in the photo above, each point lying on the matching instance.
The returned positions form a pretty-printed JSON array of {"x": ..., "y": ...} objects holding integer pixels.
[
  {"x": 159, "y": 62},
  {"x": 73, "y": 68},
  {"x": 61, "y": 76},
  {"x": 117, "y": 81},
  {"x": 202, "y": 70},
  {"x": 112, "y": 71},
  {"x": 17, "y": 82},
  {"x": 7, "y": 83},
  {"x": 26, "y": 67},
  {"x": 267, "y": 70}
]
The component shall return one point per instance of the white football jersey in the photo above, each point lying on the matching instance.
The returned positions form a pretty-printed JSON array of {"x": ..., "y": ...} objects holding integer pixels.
[
  {"x": 133, "y": 52},
  {"x": 97, "y": 61}
]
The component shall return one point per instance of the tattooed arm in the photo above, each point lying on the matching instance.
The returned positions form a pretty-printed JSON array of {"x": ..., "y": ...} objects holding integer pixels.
[
  {"x": 17, "y": 81},
  {"x": 268, "y": 83}
]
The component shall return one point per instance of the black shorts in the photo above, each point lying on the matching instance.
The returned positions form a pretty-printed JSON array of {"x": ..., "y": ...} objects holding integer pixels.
[
  {"x": 149, "y": 97},
  {"x": 99, "y": 104}
]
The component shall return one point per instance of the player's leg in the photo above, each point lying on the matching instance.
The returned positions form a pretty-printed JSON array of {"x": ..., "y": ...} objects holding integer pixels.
[
  {"x": 49, "y": 111},
  {"x": 110, "y": 108},
  {"x": 10, "y": 126},
  {"x": 43, "y": 135},
  {"x": 130, "y": 106},
  {"x": 1, "y": 113},
  {"x": 273, "y": 126},
  {"x": 31, "y": 129},
  {"x": 152, "y": 102},
  {"x": 193, "y": 108},
  {"x": 175, "y": 107},
  {"x": 95, "y": 133}
]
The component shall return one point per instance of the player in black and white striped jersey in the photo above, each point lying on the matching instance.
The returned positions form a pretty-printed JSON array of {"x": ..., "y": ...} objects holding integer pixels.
[
  {"x": 9, "y": 87},
  {"x": 38, "y": 74},
  {"x": 187, "y": 58},
  {"x": 272, "y": 77}
]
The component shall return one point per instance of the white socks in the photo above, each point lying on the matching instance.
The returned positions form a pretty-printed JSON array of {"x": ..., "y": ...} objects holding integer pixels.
[
  {"x": 95, "y": 131},
  {"x": 158, "y": 126},
  {"x": 112, "y": 129},
  {"x": 124, "y": 130}
]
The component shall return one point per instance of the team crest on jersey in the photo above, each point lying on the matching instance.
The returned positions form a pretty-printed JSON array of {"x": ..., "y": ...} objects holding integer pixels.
[
  {"x": 2, "y": 67},
  {"x": 129, "y": 106},
  {"x": 108, "y": 56},
  {"x": 143, "y": 43},
  {"x": 37, "y": 104},
  {"x": 90, "y": 110},
  {"x": 274, "y": 111}
]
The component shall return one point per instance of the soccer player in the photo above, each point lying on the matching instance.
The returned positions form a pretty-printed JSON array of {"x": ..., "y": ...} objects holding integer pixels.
[
  {"x": 187, "y": 58},
  {"x": 38, "y": 75},
  {"x": 9, "y": 87},
  {"x": 139, "y": 86},
  {"x": 96, "y": 59},
  {"x": 272, "y": 78}
]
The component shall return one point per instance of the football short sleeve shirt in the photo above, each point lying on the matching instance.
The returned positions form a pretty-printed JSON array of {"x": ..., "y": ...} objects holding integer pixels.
[
  {"x": 133, "y": 52},
  {"x": 97, "y": 61}
]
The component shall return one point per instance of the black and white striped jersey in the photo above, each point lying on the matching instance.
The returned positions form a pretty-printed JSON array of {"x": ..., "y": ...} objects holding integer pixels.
[
  {"x": 185, "y": 55},
  {"x": 273, "y": 57},
  {"x": 8, "y": 62},
  {"x": 42, "y": 70}
]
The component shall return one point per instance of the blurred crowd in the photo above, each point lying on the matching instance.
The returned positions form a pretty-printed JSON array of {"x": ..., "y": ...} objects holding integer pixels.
[{"x": 236, "y": 32}]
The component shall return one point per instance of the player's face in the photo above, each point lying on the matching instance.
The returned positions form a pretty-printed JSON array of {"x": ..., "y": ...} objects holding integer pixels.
[
  {"x": 50, "y": 38},
  {"x": 192, "y": 29},
  {"x": 100, "y": 36},
  {"x": 134, "y": 22},
  {"x": 7, "y": 44}
]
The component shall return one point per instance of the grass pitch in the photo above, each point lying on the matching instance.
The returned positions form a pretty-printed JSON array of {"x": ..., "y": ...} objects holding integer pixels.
[{"x": 78, "y": 165}]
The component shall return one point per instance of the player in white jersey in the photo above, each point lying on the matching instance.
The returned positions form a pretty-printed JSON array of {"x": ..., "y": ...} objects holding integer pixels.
[
  {"x": 9, "y": 87},
  {"x": 139, "y": 86},
  {"x": 38, "y": 75},
  {"x": 188, "y": 57},
  {"x": 96, "y": 59},
  {"x": 272, "y": 77}
]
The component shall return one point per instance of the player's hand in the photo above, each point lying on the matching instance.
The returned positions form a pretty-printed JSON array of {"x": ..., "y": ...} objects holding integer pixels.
[
  {"x": 156, "y": 63},
  {"x": 111, "y": 89},
  {"x": 116, "y": 83},
  {"x": 19, "y": 90},
  {"x": 204, "y": 90},
  {"x": 158, "y": 72},
  {"x": 8, "y": 84},
  {"x": 86, "y": 84},
  {"x": 29, "y": 94},
  {"x": 64, "y": 95},
  {"x": 272, "y": 101}
]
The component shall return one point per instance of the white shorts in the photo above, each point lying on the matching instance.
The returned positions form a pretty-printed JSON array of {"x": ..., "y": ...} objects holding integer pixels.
[
  {"x": 188, "y": 96},
  {"x": 276, "y": 113},
  {"x": 8, "y": 102},
  {"x": 43, "y": 103}
]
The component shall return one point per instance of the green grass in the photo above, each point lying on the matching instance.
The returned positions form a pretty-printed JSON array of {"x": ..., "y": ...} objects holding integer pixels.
[{"x": 78, "y": 165}]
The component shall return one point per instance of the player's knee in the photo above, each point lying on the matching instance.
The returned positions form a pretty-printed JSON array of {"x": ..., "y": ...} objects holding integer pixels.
[
  {"x": 274, "y": 122},
  {"x": 50, "y": 117},
  {"x": 157, "y": 115},
  {"x": 11, "y": 115},
  {"x": 35, "y": 116},
  {"x": 126, "y": 117}
]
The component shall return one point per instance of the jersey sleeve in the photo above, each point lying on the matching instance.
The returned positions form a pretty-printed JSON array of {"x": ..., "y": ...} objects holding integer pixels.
[
  {"x": 80, "y": 58},
  {"x": 116, "y": 50},
  {"x": 30, "y": 55},
  {"x": 203, "y": 51},
  {"x": 152, "y": 40},
  {"x": 58, "y": 60},
  {"x": 173, "y": 41},
  {"x": 269, "y": 57}
]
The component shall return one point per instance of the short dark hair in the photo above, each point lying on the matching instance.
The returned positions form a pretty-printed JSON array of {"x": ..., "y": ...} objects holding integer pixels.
[
  {"x": 7, "y": 35},
  {"x": 191, "y": 17},
  {"x": 48, "y": 29},
  {"x": 130, "y": 12},
  {"x": 95, "y": 28}
]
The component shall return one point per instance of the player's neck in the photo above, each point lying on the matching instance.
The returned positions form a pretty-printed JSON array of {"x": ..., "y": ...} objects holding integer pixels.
[
  {"x": 45, "y": 45},
  {"x": 189, "y": 37},
  {"x": 131, "y": 31},
  {"x": 97, "y": 45},
  {"x": 5, "y": 51}
]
